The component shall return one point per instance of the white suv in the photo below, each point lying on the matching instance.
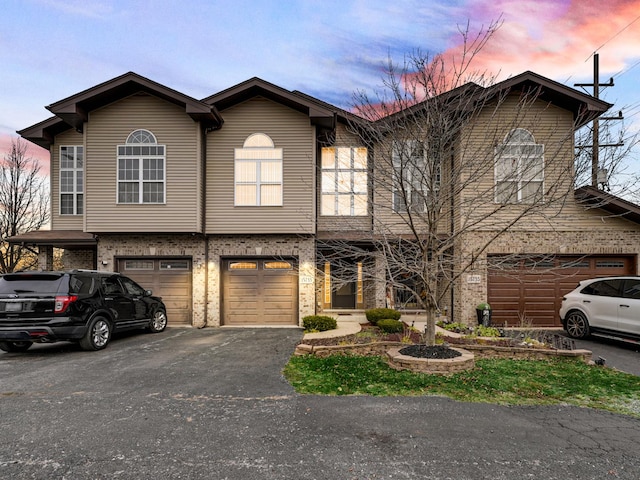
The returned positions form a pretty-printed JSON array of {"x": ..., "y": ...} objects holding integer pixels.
[{"x": 609, "y": 306}]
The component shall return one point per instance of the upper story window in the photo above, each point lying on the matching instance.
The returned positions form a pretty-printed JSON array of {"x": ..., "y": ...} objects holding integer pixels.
[
  {"x": 344, "y": 181},
  {"x": 141, "y": 169},
  {"x": 519, "y": 169},
  {"x": 258, "y": 172},
  {"x": 71, "y": 180},
  {"x": 414, "y": 176}
]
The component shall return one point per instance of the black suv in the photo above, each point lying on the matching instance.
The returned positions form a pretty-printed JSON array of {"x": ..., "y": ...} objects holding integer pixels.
[{"x": 82, "y": 306}]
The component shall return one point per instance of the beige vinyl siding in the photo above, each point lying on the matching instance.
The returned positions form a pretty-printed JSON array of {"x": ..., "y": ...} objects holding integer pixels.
[
  {"x": 332, "y": 223},
  {"x": 62, "y": 222},
  {"x": 109, "y": 127},
  {"x": 290, "y": 131}
]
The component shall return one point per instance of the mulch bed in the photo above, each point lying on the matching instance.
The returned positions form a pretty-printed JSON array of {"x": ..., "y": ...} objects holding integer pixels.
[{"x": 439, "y": 352}]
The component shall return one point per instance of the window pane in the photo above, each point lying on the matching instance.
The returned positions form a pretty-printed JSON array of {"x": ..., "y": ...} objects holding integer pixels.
[
  {"x": 243, "y": 266},
  {"x": 174, "y": 265},
  {"x": 66, "y": 157},
  {"x": 328, "y": 158},
  {"x": 360, "y": 158},
  {"x": 344, "y": 182},
  {"x": 128, "y": 169},
  {"x": 507, "y": 192},
  {"x": 532, "y": 192},
  {"x": 344, "y": 205},
  {"x": 271, "y": 172},
  {"x": 328, "y": 182},
  {"x": 138, "y": 265},
  {"x": 80, "y": 206},
  {"x": 506, "y": 168},
  {"x": 153, "y": 192},
  {"x": 344, "y": 158},
  {"x": 79, "y": 182},
  {"x": 632, "y": 289},
  {"x": 246, "y": 171},
  {"x": 66, "y": 181},
  {"x": 533, "y": 169},
  {"x": 128, "y": 192},
  {"x": 153, "y": 169},
  {"x": 246, "y": 195},
  {"x": 66, "y": 204},
  {"x": 360, "y": 182},
  {"x": 328, "y": 205},
  {"x": 360, "y": 205},
  {"x": 277, "y": 266},
  {"x": 270, "y": 195},
  {"x": 79, "y": 157}
]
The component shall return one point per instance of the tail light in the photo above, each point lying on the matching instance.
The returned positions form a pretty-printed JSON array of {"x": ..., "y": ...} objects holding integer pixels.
[{"x": 63, "y": 302}]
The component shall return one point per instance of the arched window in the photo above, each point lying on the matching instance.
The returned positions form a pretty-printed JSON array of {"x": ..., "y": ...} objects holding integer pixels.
[
  {"x": 258, "y": 172},
  {"x": 519, "y": 168},
  {"x": 141, "y": 169}
]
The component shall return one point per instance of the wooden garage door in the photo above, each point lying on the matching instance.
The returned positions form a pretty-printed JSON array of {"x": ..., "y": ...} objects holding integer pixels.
[
  {"x": 529, "y": 291},
  {"x": 260, "y": 292},
  {"x": 169, "y": 278}
]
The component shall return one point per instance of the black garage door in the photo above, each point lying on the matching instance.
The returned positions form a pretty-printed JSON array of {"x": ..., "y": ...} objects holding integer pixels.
[
  {"x": 259, "y": 292},
  {"x": 169, "y": 278},
  {"x": 528, "y": 292}
]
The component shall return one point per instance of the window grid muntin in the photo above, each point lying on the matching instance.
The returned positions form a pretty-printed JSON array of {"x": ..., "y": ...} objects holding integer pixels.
[
  {"x": 344, "y": 181},
  {"x": 141, "y": 170},
  {"x": 71, "y": 180},
  {"x": 519, "y": 168}
]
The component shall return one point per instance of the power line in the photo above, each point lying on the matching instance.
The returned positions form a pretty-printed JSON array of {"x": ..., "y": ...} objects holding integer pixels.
[{"x": 619, "y": 32}]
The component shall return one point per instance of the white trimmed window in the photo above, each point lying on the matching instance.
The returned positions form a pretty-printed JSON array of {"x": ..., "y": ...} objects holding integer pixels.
[
  {"x": 414, "y": 176},
  {"x": 141, "y": 169},
  {"x": 258, "y": 173},
  {"x": 519, "y": 169},
  {"x": 344, "y": 181},
  {"x": 71, "y": 180}
]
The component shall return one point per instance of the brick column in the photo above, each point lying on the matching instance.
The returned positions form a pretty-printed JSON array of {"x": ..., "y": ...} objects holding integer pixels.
[{"x": 45, "y": 257}]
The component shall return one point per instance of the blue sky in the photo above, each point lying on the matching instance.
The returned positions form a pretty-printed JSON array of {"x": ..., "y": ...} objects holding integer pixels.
[{"x": 50, "y": 49}]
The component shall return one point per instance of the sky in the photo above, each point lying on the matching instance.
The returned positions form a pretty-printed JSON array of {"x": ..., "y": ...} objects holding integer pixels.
[{"x": 51, "y": 49}]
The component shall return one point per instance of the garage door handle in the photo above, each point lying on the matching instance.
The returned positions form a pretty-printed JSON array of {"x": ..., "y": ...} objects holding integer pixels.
[{"x": 586, "y": 301}]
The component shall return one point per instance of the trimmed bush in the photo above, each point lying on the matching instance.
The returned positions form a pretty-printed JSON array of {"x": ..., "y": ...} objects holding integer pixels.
[
  {"x": 319, "y": 323},
  {"x": 375, "y": 314},
  {"x": 389, "y": 325}
]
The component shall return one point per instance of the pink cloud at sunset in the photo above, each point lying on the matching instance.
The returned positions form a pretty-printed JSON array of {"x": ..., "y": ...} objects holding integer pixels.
[
  {"x": 557, "y": 38},
  {"x": 34, "y": 151}
]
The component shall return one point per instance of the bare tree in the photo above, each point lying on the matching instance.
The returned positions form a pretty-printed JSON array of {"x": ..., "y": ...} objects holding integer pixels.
[
  {"x": 24, "y": 205},
  {"x": 459, "y": 161}
]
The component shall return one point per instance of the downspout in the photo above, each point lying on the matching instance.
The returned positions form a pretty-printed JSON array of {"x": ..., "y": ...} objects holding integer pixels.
[{"x": 452, "y": 226}]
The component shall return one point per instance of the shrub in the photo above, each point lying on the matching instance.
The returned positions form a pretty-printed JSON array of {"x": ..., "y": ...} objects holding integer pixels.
[
  {"x": 389, "y": 325},
  {"x": 319, "y": 323},
  {"x": 482, "y": 331},
  {"x": 376, "y": 314}
]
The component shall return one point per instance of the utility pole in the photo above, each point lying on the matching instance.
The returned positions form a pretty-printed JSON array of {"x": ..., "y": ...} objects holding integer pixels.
[{"x": 595, "y": 147}]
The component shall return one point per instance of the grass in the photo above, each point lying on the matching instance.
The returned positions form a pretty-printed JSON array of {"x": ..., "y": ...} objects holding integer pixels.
[{"x": 506, "y": 382}]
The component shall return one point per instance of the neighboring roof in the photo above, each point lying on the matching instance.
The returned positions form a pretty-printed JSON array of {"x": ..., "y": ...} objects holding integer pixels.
[
  {"x": 73, "y": 111},
  {"x": 55, "y": 238},
  {"x": 592, "y": 197},
  {"x": 319, "y": 113},
  {"x": 584, "y": 107}
]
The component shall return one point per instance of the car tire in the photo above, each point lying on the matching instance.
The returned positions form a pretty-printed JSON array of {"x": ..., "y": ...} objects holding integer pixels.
[
  {"x": 15, "y": 346},
  {"x": 158, "y": 322},
  {"x": 577, "y": 325},
  {"x": 98, "y": 334}
]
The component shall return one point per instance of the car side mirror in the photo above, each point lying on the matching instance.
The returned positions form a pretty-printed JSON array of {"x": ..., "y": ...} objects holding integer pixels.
[{"x": 148, "y": 293}]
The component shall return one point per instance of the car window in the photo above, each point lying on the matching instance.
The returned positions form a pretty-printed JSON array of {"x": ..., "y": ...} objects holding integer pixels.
[
  {"x": 31, "y": 282},
  {"x": 132, "y": 287},
  {"x": 604, "y": 288},
  {"x": 111, "y": 286},
  {"x": 82, "y": 285},
  {"x": 632, "y": 289}
]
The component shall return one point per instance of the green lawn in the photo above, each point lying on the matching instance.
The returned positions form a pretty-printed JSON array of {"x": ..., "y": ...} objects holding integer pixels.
[{"x": 507, "y": 382}]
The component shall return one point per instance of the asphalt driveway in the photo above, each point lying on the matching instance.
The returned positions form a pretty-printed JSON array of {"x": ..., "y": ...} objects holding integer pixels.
[{"x": 212, "y": 404}]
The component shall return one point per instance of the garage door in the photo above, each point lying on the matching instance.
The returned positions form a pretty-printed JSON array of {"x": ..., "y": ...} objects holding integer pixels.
[
  {"x": 529, "y": 291},
  {"x": 169, "y": 278},
  {"x": 259, "y": 292}
]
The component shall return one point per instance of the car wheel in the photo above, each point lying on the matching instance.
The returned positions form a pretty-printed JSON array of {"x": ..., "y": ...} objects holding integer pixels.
[
  {"x": 158, "y": 322},
  {"x": 577, "y": 325},
  {"x": 15, "y": 346},
  {"x": 98, "y": 334}
]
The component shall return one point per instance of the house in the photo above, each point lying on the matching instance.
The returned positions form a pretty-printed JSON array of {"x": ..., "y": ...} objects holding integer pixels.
[{"x": 234, "y": 208}]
